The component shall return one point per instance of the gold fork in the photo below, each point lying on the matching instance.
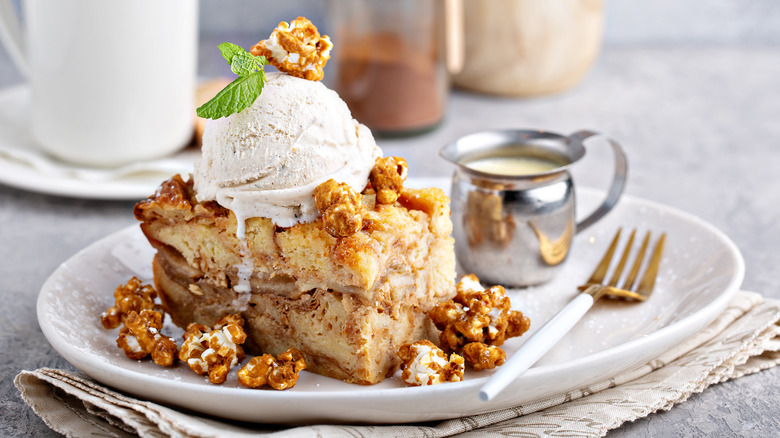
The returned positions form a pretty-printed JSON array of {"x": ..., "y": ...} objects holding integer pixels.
[{"x": 553, "y": 330}]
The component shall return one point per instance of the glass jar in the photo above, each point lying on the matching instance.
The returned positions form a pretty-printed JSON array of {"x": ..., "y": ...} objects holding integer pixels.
[
  {"x": 528, "y": 47},
  {"x": 390, "y": 63}
]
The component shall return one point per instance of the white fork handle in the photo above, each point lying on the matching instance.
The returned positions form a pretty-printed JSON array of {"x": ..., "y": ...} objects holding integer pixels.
[{"x": 537, "y": 345}]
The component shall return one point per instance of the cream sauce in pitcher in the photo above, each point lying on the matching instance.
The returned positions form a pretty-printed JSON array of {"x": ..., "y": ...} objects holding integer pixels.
[{"x": 513, "y": 202}]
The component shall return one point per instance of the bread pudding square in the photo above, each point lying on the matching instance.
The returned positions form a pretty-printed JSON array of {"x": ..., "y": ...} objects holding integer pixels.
[{"x": 346, "y": 303}]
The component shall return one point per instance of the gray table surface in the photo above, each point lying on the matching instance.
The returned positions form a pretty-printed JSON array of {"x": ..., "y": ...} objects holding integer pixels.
[{"x": 701, "y": 127}]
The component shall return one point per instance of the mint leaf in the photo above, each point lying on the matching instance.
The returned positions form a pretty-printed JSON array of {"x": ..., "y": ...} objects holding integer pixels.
[
  {"x": 229, "y": 50},
  {"x": 235, "y": 97},
  {"x": 243, "y": 64},
  {"x": 243, "y": 91}
]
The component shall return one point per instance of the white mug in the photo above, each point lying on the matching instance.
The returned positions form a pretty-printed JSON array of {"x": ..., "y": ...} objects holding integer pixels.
[{"x": 112, "y": 81}]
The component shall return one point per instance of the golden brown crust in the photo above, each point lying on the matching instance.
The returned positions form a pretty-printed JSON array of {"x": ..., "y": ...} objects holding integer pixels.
[
  {"x": 400, "y": 234},
  {"x": 173, "y": 194}
]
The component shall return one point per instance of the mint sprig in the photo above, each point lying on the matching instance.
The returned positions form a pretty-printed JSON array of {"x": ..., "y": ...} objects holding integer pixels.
[{"x": 243, "y": 91}]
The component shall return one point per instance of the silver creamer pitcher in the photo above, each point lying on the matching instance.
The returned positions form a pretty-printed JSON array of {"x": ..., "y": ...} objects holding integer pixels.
[{"x": 513, "y": 202}]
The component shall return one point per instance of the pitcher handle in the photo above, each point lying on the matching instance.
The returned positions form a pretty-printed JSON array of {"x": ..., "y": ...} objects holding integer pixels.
[
  {"x": 618, "y": 179},
  {"x": 11, "y": 36}
]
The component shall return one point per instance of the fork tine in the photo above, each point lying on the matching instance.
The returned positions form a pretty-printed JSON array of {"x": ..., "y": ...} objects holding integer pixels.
[
  {"x": 623, "y": 259},
  {"x": 648, "y": 280},
  {"x": 637, "y": 263},
  {"x": 603, "y": 266}
]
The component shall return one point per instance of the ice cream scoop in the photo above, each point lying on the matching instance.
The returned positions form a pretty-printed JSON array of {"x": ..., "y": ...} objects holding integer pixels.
[{"x": 266, "y": 160}]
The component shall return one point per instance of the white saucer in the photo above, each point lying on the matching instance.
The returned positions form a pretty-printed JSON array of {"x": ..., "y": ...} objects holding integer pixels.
[
  {"x": 24, "y": 166},
  {"x": 700, "y": 271}
]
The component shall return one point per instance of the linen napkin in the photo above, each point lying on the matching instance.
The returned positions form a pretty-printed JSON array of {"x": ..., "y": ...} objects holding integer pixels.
[{"x": 743, "y": 340}]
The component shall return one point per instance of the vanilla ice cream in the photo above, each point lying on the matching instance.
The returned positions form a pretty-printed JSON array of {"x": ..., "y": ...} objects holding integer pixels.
[{"x": 267, "y": 160}]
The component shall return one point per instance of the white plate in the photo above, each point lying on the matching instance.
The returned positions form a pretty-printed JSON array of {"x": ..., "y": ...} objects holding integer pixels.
[
  {"x": 24, "y": 166},
  {"x": 701, "y": 270}
]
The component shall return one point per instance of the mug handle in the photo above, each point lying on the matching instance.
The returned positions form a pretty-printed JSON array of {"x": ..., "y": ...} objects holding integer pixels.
[
  {"x": 11, "y": 36},
  {"x": 618, "y": 179}
]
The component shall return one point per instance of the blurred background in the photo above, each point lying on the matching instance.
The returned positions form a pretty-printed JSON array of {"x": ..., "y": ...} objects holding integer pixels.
[{"x": 627, "y": 23}]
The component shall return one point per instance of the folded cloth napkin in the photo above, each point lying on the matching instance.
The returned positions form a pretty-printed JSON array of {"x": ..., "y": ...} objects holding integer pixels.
[{"x": 743, "y": 340}]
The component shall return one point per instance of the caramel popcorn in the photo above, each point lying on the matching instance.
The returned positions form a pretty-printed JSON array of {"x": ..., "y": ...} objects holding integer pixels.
[
  {"x": 341, "y": 208},
  {"x": 131, "y": 297},
  {"x": 297, "y": 49},
  {"x": 423, "y": 363},
  {"x": 517, "y": 324},
  {"x": 214, "y": 350},
  {"x": 482, "y": 356},
  {"x": 477, "y": 315},
  {"x": 387, "y": 178},
  {"x": 278, "y": 373},
  {"x": 141, "y": 337}
]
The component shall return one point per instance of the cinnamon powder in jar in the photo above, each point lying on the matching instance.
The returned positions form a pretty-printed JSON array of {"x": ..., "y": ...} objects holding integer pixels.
[{"x": 392, "y": 84}]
